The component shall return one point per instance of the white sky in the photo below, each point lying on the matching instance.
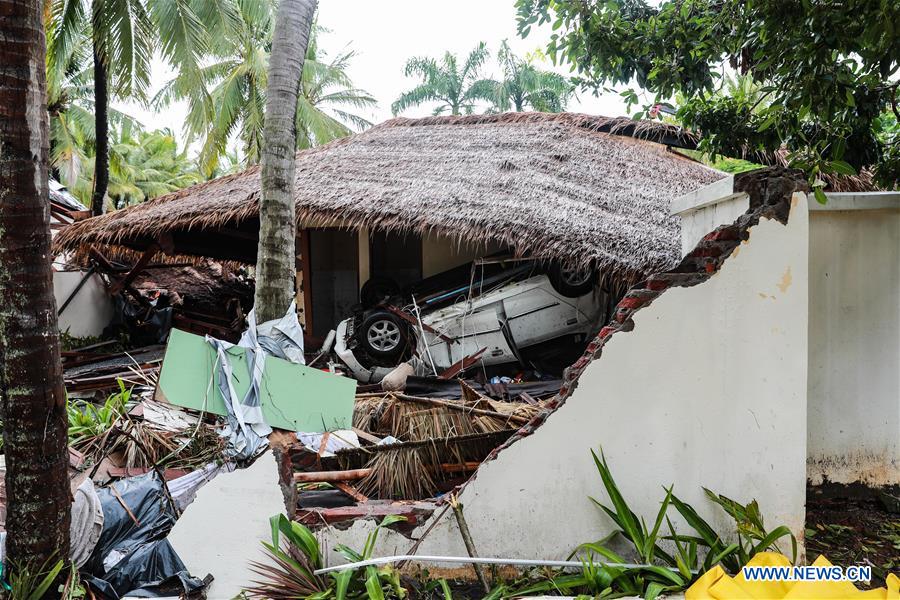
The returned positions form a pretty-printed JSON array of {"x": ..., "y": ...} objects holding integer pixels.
[{"x": 385, "y": 34}]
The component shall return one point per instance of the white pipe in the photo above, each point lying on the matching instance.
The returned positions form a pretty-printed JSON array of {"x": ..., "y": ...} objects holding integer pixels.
[{"x": 520, "y": 562}]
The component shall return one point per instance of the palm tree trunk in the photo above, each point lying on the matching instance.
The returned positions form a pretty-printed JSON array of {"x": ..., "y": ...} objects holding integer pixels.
[
  {"x": 101, "y": 126},
  {"x": 33, "y": 399},
  {"x": 275, "y": 261}
]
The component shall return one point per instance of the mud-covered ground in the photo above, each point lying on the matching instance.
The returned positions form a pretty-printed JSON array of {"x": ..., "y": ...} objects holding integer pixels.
[{"x": 854, "y": 531}]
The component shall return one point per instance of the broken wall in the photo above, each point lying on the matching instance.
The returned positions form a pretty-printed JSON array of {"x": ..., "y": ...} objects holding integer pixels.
[
  {"x": 705, "y": 386},
  {"x": 90, "y": 311},
  {"x": 854, "y": 340}
]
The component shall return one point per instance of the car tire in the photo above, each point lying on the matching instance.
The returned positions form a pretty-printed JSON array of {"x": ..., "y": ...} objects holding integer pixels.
[
  {"x": 383, "y": 335},
  {"x": 376, "y": 290},
  {"x": 572, "y": 282}
]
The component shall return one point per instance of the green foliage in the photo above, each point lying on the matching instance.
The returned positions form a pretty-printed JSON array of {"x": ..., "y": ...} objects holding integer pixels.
[
  {"x": 227, "y": 98},
  {"x": 659, "y": 571},
  {"x": 826, "y": 70},
  {"x": 27, "y": 583},
  {"x": 89, "y": 422},
  {"x": 142, "y": 165},
  {"x": 296, "y": 555},
  {"x": 456, "y": 88},
  {"x": 523, "y": 86}
]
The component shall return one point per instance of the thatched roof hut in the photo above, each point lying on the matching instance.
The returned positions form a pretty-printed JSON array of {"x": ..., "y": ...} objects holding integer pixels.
[{"x": 568, "y": 187}]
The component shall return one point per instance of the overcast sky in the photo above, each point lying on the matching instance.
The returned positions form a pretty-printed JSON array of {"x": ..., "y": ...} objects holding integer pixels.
[{"x": 385, "y": 34}]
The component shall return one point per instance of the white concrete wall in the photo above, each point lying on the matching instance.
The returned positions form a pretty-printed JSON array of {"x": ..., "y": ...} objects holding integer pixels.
[
  {"x": 701, "y": 211},
  {"x": 854, "y": 341},
  {"x": 89, "y": 311},
  {"x": 709, "y": 389}
]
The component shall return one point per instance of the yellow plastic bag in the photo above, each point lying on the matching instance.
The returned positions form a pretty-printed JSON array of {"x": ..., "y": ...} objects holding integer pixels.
[{"x": 716, "y": 584}]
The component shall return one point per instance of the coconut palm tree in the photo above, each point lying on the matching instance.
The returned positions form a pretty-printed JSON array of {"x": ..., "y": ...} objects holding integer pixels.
[
  {"x": 142, "y": 165},
  {"x": 276, "y": 257},
  {"x": 70, "y": 104},
  {"x": 327, "y": 95},
  {"x": 525, "y": 87},
  {"x": 31, "y": 385},
  {"x": 123, "y": 35},
  {"x": 455, "y": 88},
  {"x": 230, "y": 102}
]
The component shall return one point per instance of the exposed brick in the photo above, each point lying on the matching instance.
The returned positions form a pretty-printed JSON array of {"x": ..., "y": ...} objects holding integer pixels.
[
  {"x": 770, "y": 192},
  {"x": 673, "y": 279},
  {"x": 622, "y": 315},
  {"x": 728, "y": 233},
  {"x": 606, "y": 332},
  {"x": 709, "y": 249},
  {"x": 631, "y": 301}
]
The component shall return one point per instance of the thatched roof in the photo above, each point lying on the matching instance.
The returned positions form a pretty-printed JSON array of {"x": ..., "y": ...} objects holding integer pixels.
[{"x": 565, "y": 186}]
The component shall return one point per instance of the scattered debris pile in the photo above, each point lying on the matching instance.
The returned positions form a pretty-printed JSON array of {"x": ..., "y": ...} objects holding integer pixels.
[
  {"x": 404, "y": 453},
  {"x": 152, "y": 297},
  {"x": 92, "y": 371}
]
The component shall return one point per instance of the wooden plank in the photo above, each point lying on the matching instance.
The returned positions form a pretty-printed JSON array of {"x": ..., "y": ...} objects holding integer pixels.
[
  {"x": 415, "y": 322},
  {"x": 136, "y": 270},
  {"x": 365, "y": 435},
  {"x": 413, "y": 513},
  {"x": 351, "y": 491},
  {"x": 461, "y": 365},
  {"x": 292, "y": 397},
  {"x": 304, "y": 278},
  {"x": 331, "y": 476}
]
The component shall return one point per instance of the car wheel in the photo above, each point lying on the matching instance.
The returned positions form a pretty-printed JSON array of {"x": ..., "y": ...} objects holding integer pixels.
[
  {"x": 376, "y": 290},
  {"x": 572, "y": 281},
  {"x": 384, "y": 335}
]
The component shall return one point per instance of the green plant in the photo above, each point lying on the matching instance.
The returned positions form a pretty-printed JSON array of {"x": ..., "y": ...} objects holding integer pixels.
[
  {"x": 296, "y": 555},
  {"x": 89, "y": 422},
  {"x": 32, "y": 584},
  {"x": 661, "y": 570},
  {"x": 455, "y": 87},
  {"x": 820, "y": 94},
  {"x": 229, "y": 101}
]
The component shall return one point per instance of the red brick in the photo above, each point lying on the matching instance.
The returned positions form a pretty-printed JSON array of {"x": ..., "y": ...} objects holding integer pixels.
[{"x": 606, "y": 332}]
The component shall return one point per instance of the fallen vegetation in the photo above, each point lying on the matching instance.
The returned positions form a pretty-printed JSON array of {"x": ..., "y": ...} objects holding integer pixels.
[{"x": 854, "y": 531}]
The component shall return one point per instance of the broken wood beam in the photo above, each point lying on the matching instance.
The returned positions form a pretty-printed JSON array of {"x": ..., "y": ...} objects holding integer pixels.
[
  {"x": 415, "y": 322},
  {"x": 365, "y": 435},
  {"x": 414, "y": 513},
  {"x": 461, "y": 365},
  {"x": 331, "y": 476},
  {"x": 136, "y": 270},
  {"x": 351, "y": 491}
]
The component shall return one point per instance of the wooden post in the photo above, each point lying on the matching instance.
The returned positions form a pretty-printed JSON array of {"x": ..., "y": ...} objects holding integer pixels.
[
  {"x": 139, "y": 266},
  {"x": 303, "y": 295}
]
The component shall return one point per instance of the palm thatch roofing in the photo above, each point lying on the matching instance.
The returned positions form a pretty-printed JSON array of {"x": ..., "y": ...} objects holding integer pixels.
[{"x": 577, "y": 188}]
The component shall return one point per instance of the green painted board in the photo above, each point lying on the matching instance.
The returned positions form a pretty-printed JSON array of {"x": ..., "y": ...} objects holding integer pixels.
[{"x": 293, "y": 397}]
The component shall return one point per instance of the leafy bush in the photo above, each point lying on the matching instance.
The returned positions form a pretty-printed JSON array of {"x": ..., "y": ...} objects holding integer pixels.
[
  {"x": 662, "y": 571},
  {"x": 669, "y": 562},
  {"x": 89, "y": 422},
  {"x": 298, "y": 556}
]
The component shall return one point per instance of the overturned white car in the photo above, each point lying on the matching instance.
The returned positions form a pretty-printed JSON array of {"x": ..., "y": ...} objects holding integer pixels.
[{"x": 524, "y": 317}]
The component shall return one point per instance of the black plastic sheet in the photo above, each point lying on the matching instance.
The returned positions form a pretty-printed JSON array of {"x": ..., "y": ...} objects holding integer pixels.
[{"x": 133, "y": 556}]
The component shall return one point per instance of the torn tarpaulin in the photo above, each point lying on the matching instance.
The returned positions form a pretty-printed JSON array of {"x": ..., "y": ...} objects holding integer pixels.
[
  {"x": 132, "y": 555},
  {"x": 245, "y": 426}
]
